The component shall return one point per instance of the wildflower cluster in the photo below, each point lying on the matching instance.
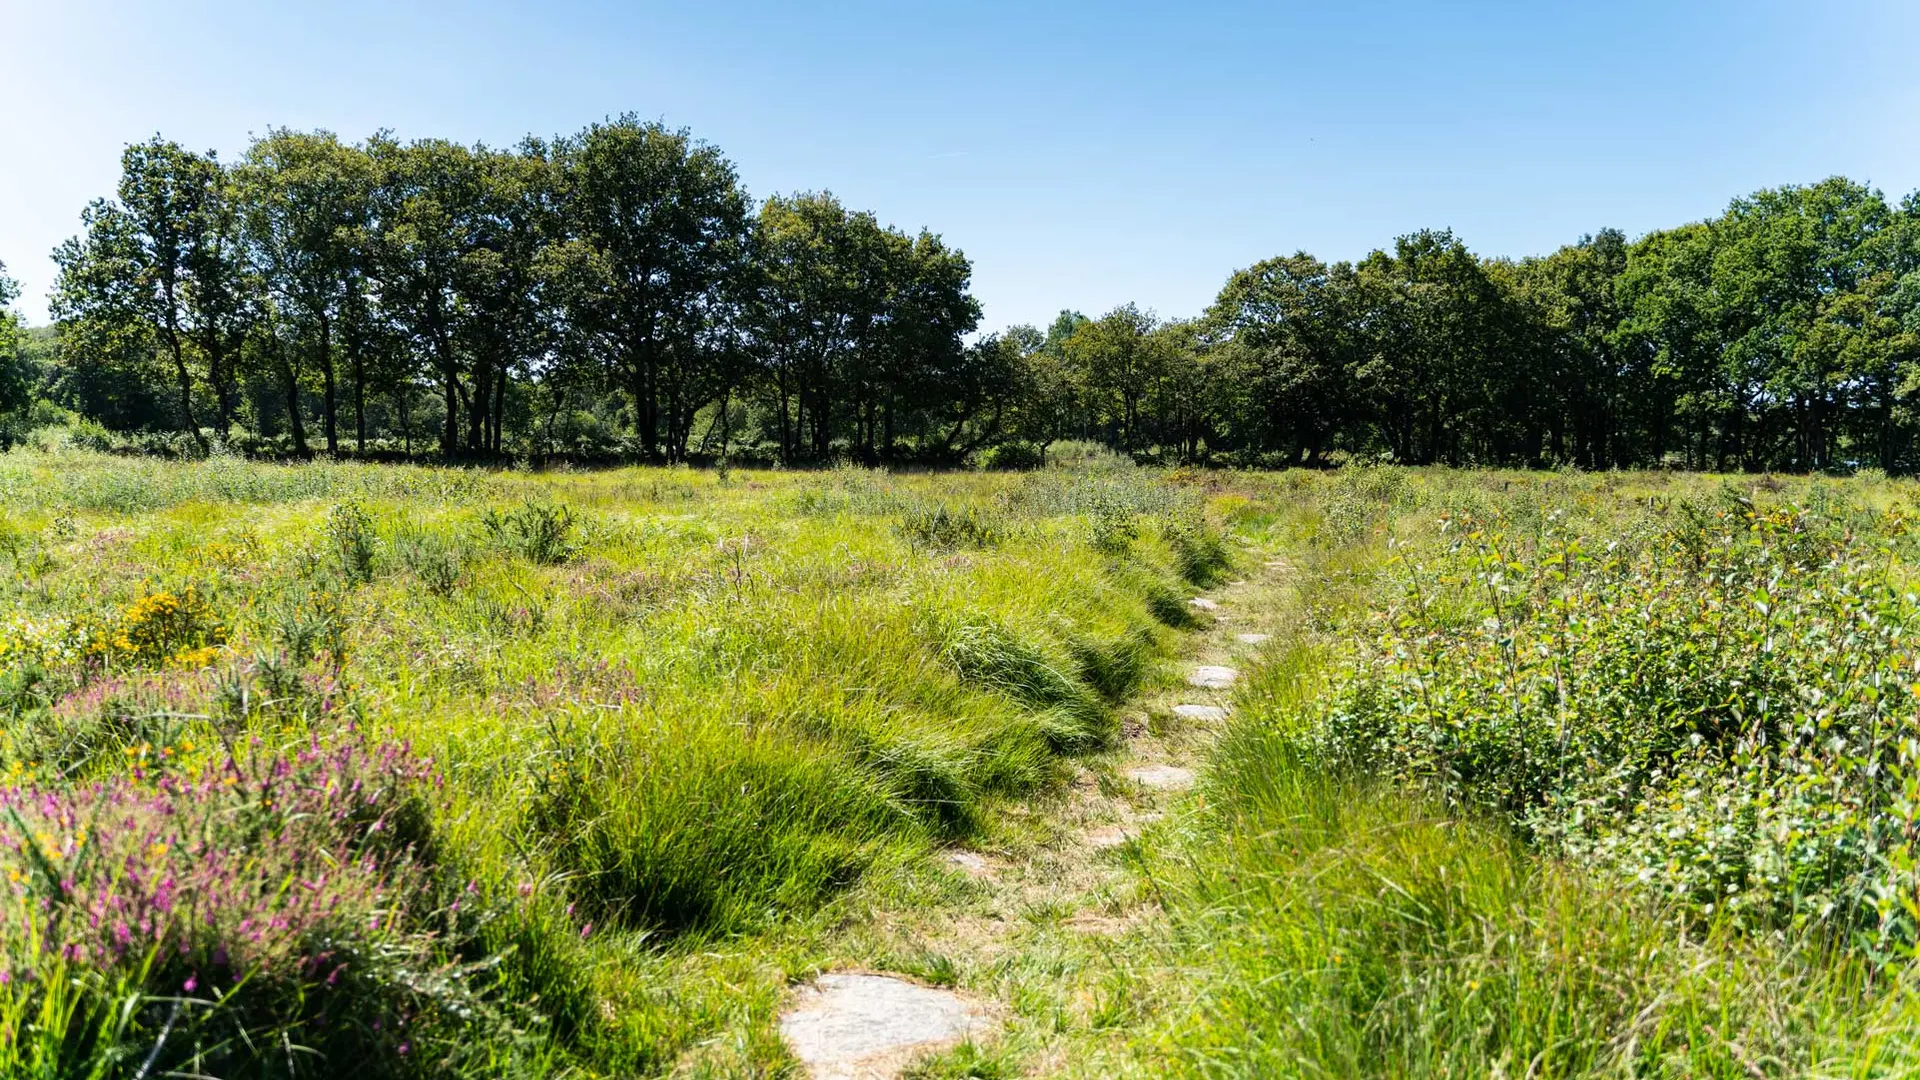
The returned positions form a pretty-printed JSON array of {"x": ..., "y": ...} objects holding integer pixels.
[
  {"x": 229, "y": 867},
  {"x": 163, "y": 629},
  {"x": 44, "y": 640}
]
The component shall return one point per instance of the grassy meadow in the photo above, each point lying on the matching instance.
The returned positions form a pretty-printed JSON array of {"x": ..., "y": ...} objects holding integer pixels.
[
  {"x": 452, "y": 772},
  {"x": 457, "y": 771}
]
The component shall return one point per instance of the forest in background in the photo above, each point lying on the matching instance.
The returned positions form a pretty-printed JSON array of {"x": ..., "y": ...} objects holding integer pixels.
[{"x": 617, "y": 295}]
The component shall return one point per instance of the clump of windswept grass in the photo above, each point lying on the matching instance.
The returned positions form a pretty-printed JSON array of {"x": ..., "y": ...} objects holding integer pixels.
[
  {"x": 1112, "y": 666},
  {"x": 1199, "y": 552},
  {"x": 985, "y": 651},
  {"x": 941, "y": 528},
  {"x": 697, "y": 824}
]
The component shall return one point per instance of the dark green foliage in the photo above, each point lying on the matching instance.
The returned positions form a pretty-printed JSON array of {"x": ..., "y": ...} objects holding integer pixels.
[
  {"x": 543, "y": 533},
  {"x": 1015, "y": 456},
  {"x": 613, "y": 295},
  {"x": 351, "y": 542}
]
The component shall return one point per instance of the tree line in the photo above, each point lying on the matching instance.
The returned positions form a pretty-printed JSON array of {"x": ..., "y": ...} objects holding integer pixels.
[
  {"x": 603, "y": 292},
  {"x": 617, "y": 294},
  {"x": 1782, "y": 334}
]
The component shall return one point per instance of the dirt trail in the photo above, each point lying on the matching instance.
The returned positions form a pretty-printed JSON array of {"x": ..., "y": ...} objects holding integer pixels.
[{"x": 1062, "y": 866}]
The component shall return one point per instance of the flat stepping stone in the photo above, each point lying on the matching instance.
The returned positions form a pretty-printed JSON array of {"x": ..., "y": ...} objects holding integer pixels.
[
  {"x": 1253, "y": 639},
  {"x": 1212, "y": 677},
  {"x": 1201, "y": 603},
  {"x": 1108, "y": 837},
  {"x": 971, "y": 861},
  {"x": 1200, "y": 712},
  {"x": 870, "y": 1027},
  {"x": 1162, "y": 777}
]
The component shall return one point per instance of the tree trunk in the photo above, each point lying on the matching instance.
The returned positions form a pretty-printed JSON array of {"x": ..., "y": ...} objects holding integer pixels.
[
  {"x": 359, "y": 398},
  {"x": 499, "y": 407},
  {"x": 329, "y": 400},
  {"x": 403, "y": 407},
  {"x": 450, "y": 392},
  {"x": 222, "y": 385},
  {"x": 186, "y": 388},
  {"x": 786, "y": 424},
  {"x": 289, "y": 385}
]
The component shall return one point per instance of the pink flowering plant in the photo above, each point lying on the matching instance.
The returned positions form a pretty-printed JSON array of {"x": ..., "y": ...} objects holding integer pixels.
[{"x": 237, "y": 890}]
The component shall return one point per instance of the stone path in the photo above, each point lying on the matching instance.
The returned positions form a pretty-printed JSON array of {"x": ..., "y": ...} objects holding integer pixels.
[
  {"x": 867, "y": 1026},
  {"x": 972, "y": 862},
  {"x": 1164, "y": 777},
  {"x": 1212, "y": 677},
  {"x": 870, "y": 1027}
]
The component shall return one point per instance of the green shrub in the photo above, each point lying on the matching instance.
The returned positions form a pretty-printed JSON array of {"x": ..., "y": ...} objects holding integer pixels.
[
  {"x": 351, "y": 542},
  {"x": 1013, "y": 456},
  {"x": 1362, "y": 498},
  {"x": 438, "y": 561},
  {"x": 543, "y": 533},
  {"x": 1112, "y": 526},
  {"x": 1722, "y": 714}
]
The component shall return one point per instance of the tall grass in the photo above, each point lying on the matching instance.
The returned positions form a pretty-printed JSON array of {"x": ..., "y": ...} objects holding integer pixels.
[
  {"x": 1335, "y": 926},
  {"x": 669, "y": 715}
]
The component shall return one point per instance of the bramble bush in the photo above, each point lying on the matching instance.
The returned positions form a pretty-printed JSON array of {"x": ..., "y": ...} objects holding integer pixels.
[{"x": 1724, "y": 711}]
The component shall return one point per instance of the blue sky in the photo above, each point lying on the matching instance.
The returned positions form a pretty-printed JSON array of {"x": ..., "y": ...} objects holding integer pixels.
[{"x": 1083, "y": 154}]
